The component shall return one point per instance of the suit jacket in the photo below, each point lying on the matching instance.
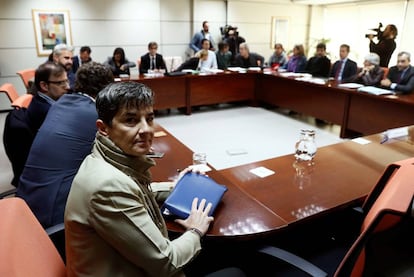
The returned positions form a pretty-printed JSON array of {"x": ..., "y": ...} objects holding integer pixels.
[
  {"x": 348, "y": 74},
  {"x": 251, "y": 61},
  {"x": 191, "y": 63},
  {"x": 406, "y": 84},
  {"x": 109, "y": 229},
  {"x": 146, "y": 60},
  {"x": 20, "y": 128},
  {"x": 318, "y": 66},
  {"x": 62, "y": 142}
]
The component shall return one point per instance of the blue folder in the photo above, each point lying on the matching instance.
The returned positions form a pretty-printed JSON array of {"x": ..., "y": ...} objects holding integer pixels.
[{"x": 192, "y": 185}]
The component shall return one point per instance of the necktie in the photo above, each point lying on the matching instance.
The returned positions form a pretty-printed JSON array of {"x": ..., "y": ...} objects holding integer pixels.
[
  {"x": 338, "y": 70},
  {"x": 152, "y": 63}
]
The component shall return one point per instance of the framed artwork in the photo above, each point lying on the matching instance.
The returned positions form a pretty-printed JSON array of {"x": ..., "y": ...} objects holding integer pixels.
[
  {"x": 280, "y": 31},
  {"x": 51, "y": 27}
]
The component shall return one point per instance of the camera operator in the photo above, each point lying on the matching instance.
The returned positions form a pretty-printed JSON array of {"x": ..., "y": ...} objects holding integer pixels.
[
  {"x": 234, "y": 40},
  {"x": 385, "y": 45}
]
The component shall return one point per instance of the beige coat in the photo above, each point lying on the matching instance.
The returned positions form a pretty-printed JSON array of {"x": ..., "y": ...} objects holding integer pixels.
[{"x": 109, "y": 231}]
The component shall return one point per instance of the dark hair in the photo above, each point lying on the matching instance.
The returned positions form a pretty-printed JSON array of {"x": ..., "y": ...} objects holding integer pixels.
[
  {"x": 117, "y": 96},
  {"x": 152, "y": 44},
  {"x": 321, "y": 45},
  {"x": 204, "y": 22},
  {"x": 300, "y": 48},
  {"x": 121, "y": 51},
  {"x": 222, "y": 44},
  {"x": 345, "y": 46},
  {"x": 205, "y": 39},
  {"x": 45, "y": 70},
  {"x": 92, "y": 77},
  {"x": 85, "y": 49}
]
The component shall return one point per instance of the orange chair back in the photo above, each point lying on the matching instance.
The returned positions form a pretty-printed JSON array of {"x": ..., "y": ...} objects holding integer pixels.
[
  {"x": 27, "y": 75},
  {"x": 22, "y": 101},
  {"x": 10, "y": 91},
  {"x": 25, "y": 247},
  {"x": 388, "y": 203}
]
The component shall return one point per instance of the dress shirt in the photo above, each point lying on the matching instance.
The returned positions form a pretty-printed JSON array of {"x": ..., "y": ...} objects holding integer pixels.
[{"x": 341, "y": 71}]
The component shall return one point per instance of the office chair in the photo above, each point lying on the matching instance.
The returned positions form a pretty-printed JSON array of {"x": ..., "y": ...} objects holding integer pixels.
[
  {"x": 25, "y": 247},
  {"x": 23, "y": 101},
  {"x": 10, "y": 91},
  {"x": 27, "y": 76},
  {"x": 384, "y": 245}
]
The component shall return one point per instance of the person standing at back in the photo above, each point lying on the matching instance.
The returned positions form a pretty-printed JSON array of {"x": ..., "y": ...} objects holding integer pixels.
[
  {"x": 401, "y": 77},
  {"x": 63, "y": 141},
  {"x": 344, "y": 70},
  {"x": 152, "y": 60},
  {"x": 21, "y": 125},
  {"x": 386, "y": 44},
  {"x": 197, "y": 40}
]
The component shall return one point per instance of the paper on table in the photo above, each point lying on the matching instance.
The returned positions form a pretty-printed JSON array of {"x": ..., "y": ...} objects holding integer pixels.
[
  {"x": 361, "y": 141},
  {"x": 200, "y": 167},
  {"x": 262, "y": 171},
  {"x": 160, "y": 134}
]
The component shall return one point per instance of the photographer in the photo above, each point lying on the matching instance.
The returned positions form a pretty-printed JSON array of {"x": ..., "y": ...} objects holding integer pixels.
[
  {"x": 234, "y": 40},
  {"x": 386, "y": 43}
]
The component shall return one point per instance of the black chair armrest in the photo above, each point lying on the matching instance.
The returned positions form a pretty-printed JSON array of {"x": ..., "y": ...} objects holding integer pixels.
[
  {"x": 55, "y": 229},
  {"x": 7, "y": 193},
  {"x": 293, "y": 259}
]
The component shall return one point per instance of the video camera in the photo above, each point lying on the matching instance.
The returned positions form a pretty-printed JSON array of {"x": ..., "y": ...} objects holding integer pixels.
[
  {"x": 226, "y": 29},
  {"x": 377, "y": 30}
]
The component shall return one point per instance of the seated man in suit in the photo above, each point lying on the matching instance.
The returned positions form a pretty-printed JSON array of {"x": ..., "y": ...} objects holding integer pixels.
[
  {"x": 83, "y": 57},
  {"x": 248, "y": 59},
  {"x": 22, "y": 124},
  {"x": 63, "y": 141},
  {"x": 319, "y": 65},
  {"x": 345, "y": 69},
  {"x": 400, "y": 77},
  {"x": 152, "y": 60}
]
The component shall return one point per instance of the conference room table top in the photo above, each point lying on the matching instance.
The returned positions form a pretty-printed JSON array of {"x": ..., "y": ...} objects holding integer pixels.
[
  {"x": 340, "y": 176},
  {"x": 357, "y": 113}
]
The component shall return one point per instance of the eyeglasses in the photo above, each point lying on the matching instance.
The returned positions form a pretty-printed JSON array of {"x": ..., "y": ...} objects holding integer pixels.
[{"x": 59, "y": 83}]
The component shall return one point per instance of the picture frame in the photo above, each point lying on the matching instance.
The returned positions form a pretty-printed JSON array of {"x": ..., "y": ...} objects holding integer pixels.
[
  {"x": 51, "y": 27},
  {"x": 279, "y": 31}
]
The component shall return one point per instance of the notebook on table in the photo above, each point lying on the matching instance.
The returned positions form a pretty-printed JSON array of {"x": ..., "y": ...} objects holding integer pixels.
[
  {"x": 375, "y": 90},
  {"x": 192, "y": 185}
]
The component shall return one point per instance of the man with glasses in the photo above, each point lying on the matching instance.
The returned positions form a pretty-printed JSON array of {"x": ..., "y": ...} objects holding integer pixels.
[
  {"x": 400, "y": 78},
  {"x": 63, "y": 141},
  {"x": 63, "y": 55},
  {"x": 22, "y": 124},
  {"x": 152, "y": 60}
]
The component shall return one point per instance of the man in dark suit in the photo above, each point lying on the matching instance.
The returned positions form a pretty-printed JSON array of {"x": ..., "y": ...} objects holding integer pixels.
[
  {"x": 62, "y": 142},
  {"x": 22, "y": 124},
  {"x": 400, "y": 77},
  {"x": 152, "y": 60},
  {"x": 319, "y": 65},
  {"x": 344, "y": 70},
  {"x": 84, "y": 57}
]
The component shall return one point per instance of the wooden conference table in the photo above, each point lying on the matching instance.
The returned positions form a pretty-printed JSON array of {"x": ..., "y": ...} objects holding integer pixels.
[
  {"x": 356, "y": 112},
  {"x": 341, "y": 176}
]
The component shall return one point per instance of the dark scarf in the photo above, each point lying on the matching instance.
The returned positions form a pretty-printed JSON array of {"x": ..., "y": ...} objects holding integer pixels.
[{"x": 137, "y": 168}]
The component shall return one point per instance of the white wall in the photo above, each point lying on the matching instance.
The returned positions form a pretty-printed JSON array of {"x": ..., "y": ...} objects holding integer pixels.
[
  {"x": 349, "y": 24},
  {"x": 106, "y": 24}
]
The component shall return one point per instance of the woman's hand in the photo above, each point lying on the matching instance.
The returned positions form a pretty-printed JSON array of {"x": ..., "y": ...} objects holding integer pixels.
[{"x": 198, "y": 218}]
